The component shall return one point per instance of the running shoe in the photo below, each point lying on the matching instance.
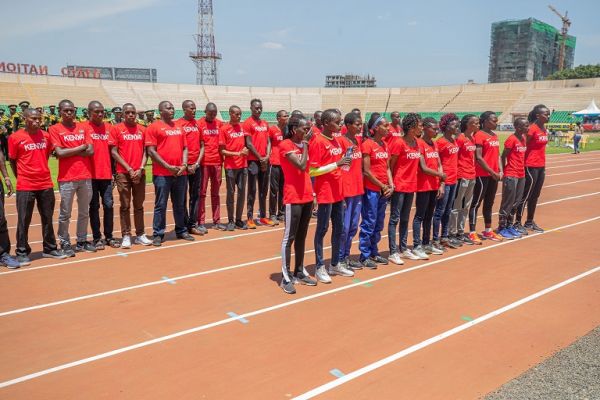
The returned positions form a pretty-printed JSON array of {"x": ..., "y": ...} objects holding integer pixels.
[
  {"x": 114, "y": 243},
  {"x": 304, "y": 279},
  {"x": 126, "y": 242},
  {"x": 203, "y": 229},
  {"x": 23, "y": 260},
  {"x": 491, "y": 235},
  {"x": 99, "y": 244},
  {"x": 339, "y": 270},
  {"x": 288, "y": 287},
  {"x": 369, "y": 264},
  {"x": 446, "y": 242},
  {"x": 67, "y": 249},
  {"x": 141, "y": 239},
  {"x": 464, "y": 238},
  {"x": 505, "y": 233},
  {"x": 281, "y": 217},
  {"x": 322, "y": 275},
  {"x": 56, "y": 254},
  {"x": 395, "y": 259},
  {"x": 409, "y": 255},
  {"x": 379, "y": 260},
  {"x": 230, "y": 227},
  {"x": 520, "y": 228},
  {"x": 431, "y": 249},
  {"x": 274, "y": 220},
  {"x": 9, "y": 261},
  {"x": 195, "y": 231},
  {"x": 86, "y": 247},
  {"x": 157, "y": 241},
  {"x": 243, "y": 226},
  {"x": 250, "y": 224},
  {"x": 266, "y": 222},
  {"x": 474, "y": 237},
  {"x": 420, "y": 253},
  {"x": 532, "y": 226},
  {"x": 514, "y": 232},
  {"x": 353, "y": 264},
  {"x": 438, "y": 246},
  {"x": 220, "y": 227},
  {"x": 186, "y": 236}
]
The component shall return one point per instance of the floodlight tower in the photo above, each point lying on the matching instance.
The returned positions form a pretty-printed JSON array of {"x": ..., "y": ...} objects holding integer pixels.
[{"x": 205, "y": 57}]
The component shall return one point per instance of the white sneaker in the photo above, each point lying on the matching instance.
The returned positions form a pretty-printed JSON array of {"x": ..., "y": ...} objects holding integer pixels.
[
  {"x": 395, "y": 259},
  {"x": 143, "y": 240},
  {"x": 420, "y": 253},
  {"x": 126, "y": 242},
  {"x": 322, "y": 275},
  {"x": 340, "y": 269},
  {"x": 409, "y": 255}
]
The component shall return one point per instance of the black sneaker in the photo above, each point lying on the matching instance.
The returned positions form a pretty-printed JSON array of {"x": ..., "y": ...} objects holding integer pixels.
[
  {"x": 186, "y": 236},
  {"x": 86, "y": 247},
  {"x": 281, "y": 217},
  {"x": 465, "y": 239},
  {"x": 241, "y": 225},
  {"x": 288, "y": 287},
  {"x": 157, "y": 241},
  {"x": 56, "y": 254},
  {"x": 202, "y": 229},
  {"x": 230, "y": 227},
  {"x": 532, "y": 226},
  {"x": 99, "y": 244},
  {"x": 304, "y": 279},
  {"x": 221, "y": 227},
  {"x": 368, "y": 263},
  {"x": 520, "y": 228},
  {"x": 23, "y": 260},
  {"x": 67, "y": 249},
  {"x": 114, "y": 243},
  {"x": 353, "y": 264},
  {"x": 456, "y": 242},
  {"x": 379, "y": 260}
]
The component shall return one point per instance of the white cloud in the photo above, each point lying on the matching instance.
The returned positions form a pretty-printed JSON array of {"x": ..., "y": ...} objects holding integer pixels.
[{"x": 273, "y": 45}]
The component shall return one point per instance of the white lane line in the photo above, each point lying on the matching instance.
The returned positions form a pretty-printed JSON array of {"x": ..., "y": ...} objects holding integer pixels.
[
  {"x": 574, "y": 172},
  {"x": 265, "y": 310},
  {"x": 434, "y": 339},
  {"x": 573, "y": 165}
]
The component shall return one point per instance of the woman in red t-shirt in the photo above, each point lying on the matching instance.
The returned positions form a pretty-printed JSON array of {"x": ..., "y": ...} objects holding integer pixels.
[
  {"x": 535, "y": 167},
  {"x": 298, "y": 201},
  {"x": 488, "y": 172}
]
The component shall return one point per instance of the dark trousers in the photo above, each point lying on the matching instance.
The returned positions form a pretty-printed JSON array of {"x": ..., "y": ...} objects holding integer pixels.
[
  {"x": 4, "y": 145},
  {"x": 534, "y": 181},
  {"x": 484, "y": 192},
  {"x": 235, "y": 178},
  {"x": 441, "y": 215},
  {"x": 399, "y": 212},
  {"x": 45, "y": 205},
  {"x": 212, "y": 173},
  {"x": 335, "y": 212},
  {"x": 175, "y": 186},
  {"x": 512, "y": 192},
  {"x": 102, "y": 189},
  {"x": 191, "y": 211},
  {"x": 255, "y": 174},
  {"x": 276, "y": 191},
  {"x": 425, "y": 204},
  {"x": 128, "y": 192},
  {"x": 297, "y": 219},
  {"x": 4, "y": 238}
]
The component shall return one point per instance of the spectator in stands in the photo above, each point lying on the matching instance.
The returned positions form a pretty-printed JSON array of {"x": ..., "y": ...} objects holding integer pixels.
[
  {"x": 127, "y": 143},
  {"x": 53, "y": 118},
  {"x": 20, "y": 121},
  {"x": 232, "y": 146},
  {"x": 101, "y": 177},
  {"x": 141, "y": 120},
  {"x": 74, "y": 149},
  {"x": 167, "y": 146},
  {"x": 118, "y": 115},
  {"x": 29, "y": 152},
  {"x": 84, "y": 116},
  {"x": 259, "y": 146},
  {"x": 276, "y": 133},
  {"x": 195, "y": 147},
  {"x": 212, "y": 168},
  {"x": 577, "y": 135},
  {"x": 149, "y": 117}
]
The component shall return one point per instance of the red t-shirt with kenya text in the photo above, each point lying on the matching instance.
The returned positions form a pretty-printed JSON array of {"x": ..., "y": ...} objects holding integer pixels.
[
  {"x": 352, "y": 176},
  {"x": 297, "y": 187},
  {"x": 258, "y": 130},
  {"x": 490, "y": 150},
  {"x": 378, "y": 160},
  {"x": 77, "y": 167},
  {"x": 449, "y": 156},
  {"x": 169, "y": 140},
  {"x": 130, "y": 143},
  {"x": 535, "y": 156},
  {"x": 210, "y": 136},
  {"x": 426, "y": 182},
  {"x": 515, "y": 161},
  {"x": 323, "y": 151},
  {"x": 100, "y": 134},
  {"x": 405, "y": 170},
  {"x": 276, "y": 137},
  {"x": 31, "y": 153},
  {"x": 193, "y": 137},
  {"x": 466, "y": 157},
  {"x": 233, "y": 137}
]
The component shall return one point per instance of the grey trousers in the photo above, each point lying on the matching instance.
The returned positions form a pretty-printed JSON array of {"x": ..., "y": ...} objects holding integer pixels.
[
  {"x": 512, "y": 192},
  {"x": 460, "y": 208},
  {"x": 68, "y": 190}
]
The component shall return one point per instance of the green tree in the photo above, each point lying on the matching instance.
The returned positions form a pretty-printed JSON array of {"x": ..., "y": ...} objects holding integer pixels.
[{"x": 579, "y": 72}]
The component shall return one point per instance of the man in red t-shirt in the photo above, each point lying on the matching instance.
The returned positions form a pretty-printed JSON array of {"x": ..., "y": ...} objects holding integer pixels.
[
  {"x": 395, "y": 128},
  {"x": 195, "y": 144},
  {"x": 212, "y": 168},
  {"x": 166, "y": 144},
  {"x": 128, "y": 149},
  {"x": 232, "y": 146},
  {"x": 259, "y": 147},
  {"x": 101, "y": 176},
  {"x": 74, "y": 149},
  {"x": 276, "y": 133}
]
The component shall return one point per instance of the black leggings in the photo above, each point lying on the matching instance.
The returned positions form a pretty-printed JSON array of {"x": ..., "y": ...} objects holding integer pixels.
[
  {"x": 534, "y": 180},
  {"x": 485, "y": 191},
  {"x": 425, "y": 206},
  {"x": 297, "y": 218}
]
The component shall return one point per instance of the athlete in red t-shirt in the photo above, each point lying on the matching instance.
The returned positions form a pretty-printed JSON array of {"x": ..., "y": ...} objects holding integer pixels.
[
  {"x": 195, "y": 147},
  {"x": 128, "y": 149},
  {"x": 259, "y": 146},
  {"x": 395, "y": 128},
  {"x": 212, "y": 168},
  {"x": 166, "y": 144},
  {"x": 73, "y": 147},
  {"x": 276, "y": 177},
  {"x": 232, "y": 145}
]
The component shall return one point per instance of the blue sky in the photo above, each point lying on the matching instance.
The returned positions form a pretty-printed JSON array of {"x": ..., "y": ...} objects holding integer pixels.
[{"x": 284, "y": 43}]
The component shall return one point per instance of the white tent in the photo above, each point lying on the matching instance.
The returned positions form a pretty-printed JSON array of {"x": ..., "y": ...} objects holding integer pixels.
[{"x": 591, "y": 110}]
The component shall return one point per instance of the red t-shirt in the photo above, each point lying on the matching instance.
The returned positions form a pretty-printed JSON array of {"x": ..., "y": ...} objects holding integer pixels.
[
  {"x": 193, "y": 137},
  {"x": 378, "y": 157},
  {"x": 130, "y": 143},
  {"x": 276, "y": 137},
  {"x": 169, "y": 140},
  {"x": 31, "y": 153},
  {"x": 324, "y": 151},
  {"x": 449, "y": 156},
  {"x": 515, "y": 161},
  {"x": 352, "y": 177},
  {"x": 101, "y": 168},
  {"x": 405, "y": 170},
  {"x": 466, "y": 157},
  {"x": 259, "y": 132},
  {"x": 297, "y": 187},
  {"x": 393, "y": 134},
  {"x": 210, "y": 135},
  {"x": 73, "y": 168},
  {"x": 233, "y": 137},
  {"x": 490, "y": 150},
  {"x": 426, "y": 182},
  {"x": 535, "y": 156}
]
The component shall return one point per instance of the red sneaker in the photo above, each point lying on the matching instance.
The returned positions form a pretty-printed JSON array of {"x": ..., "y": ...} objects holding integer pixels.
[
  {"x": 266, "y": 222},
  {"x": 491, "y": 235},
  {"x": 251, "y": 224}
]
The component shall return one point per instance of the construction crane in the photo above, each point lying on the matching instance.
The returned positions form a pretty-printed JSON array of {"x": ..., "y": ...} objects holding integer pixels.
[{"x": 566, "y": 24}]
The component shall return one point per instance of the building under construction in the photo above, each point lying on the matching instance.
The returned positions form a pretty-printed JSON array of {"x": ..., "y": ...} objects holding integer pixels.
[
  {"x": 349, "y": 81},
  {"x": 527, "y": 50}
]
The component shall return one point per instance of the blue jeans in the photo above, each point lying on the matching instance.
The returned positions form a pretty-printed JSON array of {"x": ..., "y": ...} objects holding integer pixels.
[
  {"x": 335, "y": 211},
  {"x": 373, "y": 215},
  {"x": 163, "y": 187},
  {"x": 399, "y": 212},
  {"x": 441, "y": 215},
  {"x": 351, "y": 218}
]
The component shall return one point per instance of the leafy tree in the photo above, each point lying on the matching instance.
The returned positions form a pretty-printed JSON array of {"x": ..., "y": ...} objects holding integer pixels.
[{"x": 579, "y": 72}]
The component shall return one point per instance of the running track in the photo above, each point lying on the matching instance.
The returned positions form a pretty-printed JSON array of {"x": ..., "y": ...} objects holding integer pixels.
[{"x": 154, "y": 323}]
